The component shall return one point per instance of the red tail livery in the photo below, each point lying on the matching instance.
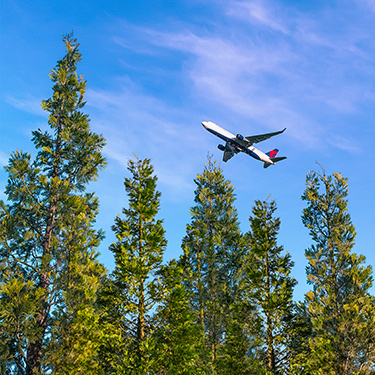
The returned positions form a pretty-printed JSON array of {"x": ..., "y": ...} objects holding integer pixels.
[{"x": 272, "y": 153}]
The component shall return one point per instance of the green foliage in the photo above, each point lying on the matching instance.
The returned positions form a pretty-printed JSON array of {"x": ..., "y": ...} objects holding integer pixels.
[
  {"x": 47, "y": 239},
  {"x": 300, "y": 331},
  {"x": 178, "y": 336},
  {"x": 19, "y": 303},
  {"x": 78, "y": 351},
  {"x": 239, "y": 352},
  {"x": 269, "y": 286},
  {"x": 224, "y": 308},
  {"x": 340, "y": 308},
  {"x": 212, "y": 254},
  {"x": 138, "y": 255}
]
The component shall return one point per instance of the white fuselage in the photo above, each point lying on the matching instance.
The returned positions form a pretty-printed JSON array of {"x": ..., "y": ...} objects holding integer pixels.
[{"x": 232, "y": 139}]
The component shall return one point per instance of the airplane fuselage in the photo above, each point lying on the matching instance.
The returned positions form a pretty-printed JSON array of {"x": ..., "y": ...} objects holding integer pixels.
[{"x": 232, "y": 141}]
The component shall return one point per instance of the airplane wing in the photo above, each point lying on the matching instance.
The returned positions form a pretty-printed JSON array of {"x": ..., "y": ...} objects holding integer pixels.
[{"x": 262, "y": 137}]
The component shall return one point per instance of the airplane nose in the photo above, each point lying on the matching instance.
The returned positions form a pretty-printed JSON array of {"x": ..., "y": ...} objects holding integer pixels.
[{"x": 205, "y": 124}]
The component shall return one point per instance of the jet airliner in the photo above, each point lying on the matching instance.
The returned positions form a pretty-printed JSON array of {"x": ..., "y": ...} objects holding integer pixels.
[{"x": 236, "y": 143}]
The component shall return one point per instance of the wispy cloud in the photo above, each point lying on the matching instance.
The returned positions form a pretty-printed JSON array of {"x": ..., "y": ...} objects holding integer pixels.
[
  {"x": 245, "y": 77},
  {"x": 258, "y": 12},
  {"x": 272, "y": 81},
  {"x": 29, "y": 104},
  {"x": 275, "y": 68},
  {"x": 342, "y": 143},
  {"x": 145, "y": 125}
]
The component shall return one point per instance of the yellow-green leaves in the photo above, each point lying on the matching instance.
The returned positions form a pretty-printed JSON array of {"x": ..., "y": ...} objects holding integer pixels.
[
  {"x": 339, "y": 302},
  {"x": 138, "y": 255},
  {"x": 49, "y": 274}
]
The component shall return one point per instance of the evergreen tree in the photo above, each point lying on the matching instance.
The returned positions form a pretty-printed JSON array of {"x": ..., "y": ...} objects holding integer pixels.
[
  {"x": 340, "y": 306},
  {"x": 138, "y": 255},
  {"x": 239, "y": 353},
  {"x": 178, "y": 336},
  {"x": 113, "y": 349},
  {"x": 47, "y": 240},
  {"x": 300, "y": 332},
  {"x": 212, "y": 256},
  {"x": 269, "y": 286}
]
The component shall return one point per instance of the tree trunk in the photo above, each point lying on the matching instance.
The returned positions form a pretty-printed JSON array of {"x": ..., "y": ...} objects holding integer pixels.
[{"x": 34, "y": 349}]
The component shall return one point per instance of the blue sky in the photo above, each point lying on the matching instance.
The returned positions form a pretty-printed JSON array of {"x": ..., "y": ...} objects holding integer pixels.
[{"x": 156, "y": 69}]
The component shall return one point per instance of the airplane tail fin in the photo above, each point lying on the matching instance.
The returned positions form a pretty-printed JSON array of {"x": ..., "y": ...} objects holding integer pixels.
[
  {"x": 271, "y": 154},
  {"x": 275, "y": 160}
]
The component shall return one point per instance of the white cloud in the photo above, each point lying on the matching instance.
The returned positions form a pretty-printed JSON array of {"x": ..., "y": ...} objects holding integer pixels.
[
  {"x": 259, "y": 12},
  {"x": 29, "y": 104},
  {"x": 234, "y": 75},
  {"x": 311, "y": 63},
  {"x": 137, "y": 123},
  {"x": 342, "y": 143},
  {"x": 299, "y": 78}
]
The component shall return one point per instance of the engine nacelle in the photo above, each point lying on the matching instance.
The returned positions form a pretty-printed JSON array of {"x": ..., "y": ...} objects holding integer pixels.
[
  {"x": 240, "y": 137},
  {"x": 221, "y": 147}
]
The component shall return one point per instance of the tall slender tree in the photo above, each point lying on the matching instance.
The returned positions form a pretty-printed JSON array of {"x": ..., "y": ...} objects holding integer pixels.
[
  {"x": 138, "y": 255},
  {"x": 300, "y": 332},
  {"x": 211, "y": 256},
  {"x": 178, "y": 336},
  {"x": 47, "y": 236},
  {"x": 240, "y": 351},
  {"x": 269, "y": 286},
  {"x": 340, "y": 306}
]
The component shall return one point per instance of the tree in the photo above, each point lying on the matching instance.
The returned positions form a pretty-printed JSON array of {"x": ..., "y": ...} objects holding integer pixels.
[
  {"x": 239, "y": 354},
  {"x": 340, "y": 307},
  {"x": 178, "y": 336},
  {"x": 138, "y": 255},
  {"x": 269, "y": 286},
  {"x": 47, "y": 239},
  {"x": 300, "y": 332},
  {"x": 212, "y": 253}
]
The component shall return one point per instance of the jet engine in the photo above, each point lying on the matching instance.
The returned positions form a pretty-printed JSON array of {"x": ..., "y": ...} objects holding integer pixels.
[
  {"x": 221, "y": 147},
  {"x": 240, "y": 137}
]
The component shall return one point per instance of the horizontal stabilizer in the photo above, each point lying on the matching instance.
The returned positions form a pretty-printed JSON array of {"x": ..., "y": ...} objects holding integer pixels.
[{"x": 275, "y": 160}]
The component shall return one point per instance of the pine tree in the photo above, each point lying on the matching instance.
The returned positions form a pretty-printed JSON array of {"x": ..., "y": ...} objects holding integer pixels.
[
  {"x": 138, "y": 255},
  {"x": 239, "y": 352},
  {"x": 113, "y": 345},
  {"x": 340, "y": 306},
  {"x": 212, "y": 256},
  {"x": 178, "y": 336},
  {"x": 47, "y": 240},
  {"x": 269, "y": 286},
  {"x": 300, "y": 332}
]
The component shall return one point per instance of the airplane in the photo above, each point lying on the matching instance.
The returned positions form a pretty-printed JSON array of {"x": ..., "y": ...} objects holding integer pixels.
[{"x": 236, "y": 143}]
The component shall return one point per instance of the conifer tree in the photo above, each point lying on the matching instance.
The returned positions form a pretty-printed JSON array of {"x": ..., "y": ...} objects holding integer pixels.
[
  {"x": 269, "y": 286},
  {"x": 340, "y": 306},
  {"x": 178, "y": 336},
  {"x": 239, "y": 353},
  {"x": 47, "y": 239},
  {"x": 138, "y": 255},
  {"x": 212, "y": 254},
  {"x": 300, "y": 332}
]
